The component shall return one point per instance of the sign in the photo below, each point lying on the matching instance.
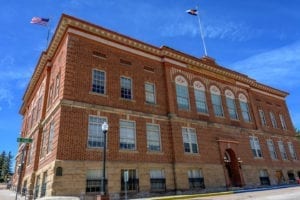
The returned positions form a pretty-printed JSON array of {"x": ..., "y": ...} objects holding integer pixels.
[{"x": 24, "y": 140}]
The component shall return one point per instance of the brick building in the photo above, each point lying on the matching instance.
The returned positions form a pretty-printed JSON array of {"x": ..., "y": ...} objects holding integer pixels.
[{"x": 177, "y": 123}]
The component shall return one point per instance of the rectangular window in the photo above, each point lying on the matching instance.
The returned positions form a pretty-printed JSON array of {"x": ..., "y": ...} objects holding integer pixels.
[
  {"x": 264, "y": 177},
  {"x": 133, "y": 180},
  {"x": 95, "y": 134},
  {"x": 37, "y": 187},
  {"x": 255, "y": 147},
  {"x": 44, "y": 143},
  {"x": 50, "y": 137},
  {"x": 245, "y": 111},
  {"x": 153, "y": 137},
  {"x": 94, "y": 181},
  {"x": 273, "y": 120},
  {"x": 201, "y": 101},
  {"x": 282, "y": 150},
  {"x": 44, "y": 184},
  {"x": 126, "y": 88},
  {"x": 182, "y": 97},
  {"x": 98, "y": 81},
  {"x": 189, "y": 140},
  {"x": 292, "y": 151},
  {"x": 217, "y": 105},
  {"x": 150, "y": 93},
  {"x": 57, "y": 84},
  {"x": 196, "y": 180},
  {"x": 282, "y": 121},
  {"x": 262, "y": 117},
  {"x": 30, "y": 155},
  {"x": 39, "y": 107},
  {"x": 231, "y": 108},
  {"x": 127, "y": 135},
  {"x": 157, "y": 180},
  {"x": 272, "y": 150},
  {"x": 50, "y": 95}
]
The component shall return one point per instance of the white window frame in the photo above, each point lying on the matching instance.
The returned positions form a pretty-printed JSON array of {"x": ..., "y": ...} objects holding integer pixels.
[
  {"x": 127, "y": 142},
  {"x": 189, "y": 138},
  {"x": 98, "y": 82},
  {"x": 282, "y": 121},
  {"x": 182, "y": 93},
  {"x": 216, "y": 101},
  {"x": 126, "y": 92},
  {"x": 272, "y": 150},
  {"x": 244, "y": 108},
  {"x": 231, "y": 105},
  {"x": 94, "y": 140},
  {"x": 262, "y": 117},
  {"x": 50, "y": 137},
  {"x": 196, "y": 179},
  {"x": 255, "y": 147},
  {"x": 273, "y": 120},
  {"x": 151, "y": 133},
  {"x": 292, "y": 151},
  {"x": 150, "y": 95},
  {"x": 157, "y": 180},
  {"x": 282, "y": 150},
  {"x": 200, "y": 97}
]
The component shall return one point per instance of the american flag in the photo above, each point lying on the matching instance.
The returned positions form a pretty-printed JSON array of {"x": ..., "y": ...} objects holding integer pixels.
[
  {"x": 192, "y": 11},
  {"x": 40, "y": 21}
]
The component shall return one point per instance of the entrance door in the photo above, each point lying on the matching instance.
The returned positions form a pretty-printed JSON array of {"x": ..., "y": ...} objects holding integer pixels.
[{"x": 233, "y": 168}]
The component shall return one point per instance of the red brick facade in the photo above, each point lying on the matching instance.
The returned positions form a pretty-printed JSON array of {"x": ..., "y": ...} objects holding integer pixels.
[{"x": 60, "y": 100}]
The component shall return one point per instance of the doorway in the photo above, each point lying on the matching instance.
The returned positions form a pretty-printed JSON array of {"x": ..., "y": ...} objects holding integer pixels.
[{"x": 232, "y": 165}]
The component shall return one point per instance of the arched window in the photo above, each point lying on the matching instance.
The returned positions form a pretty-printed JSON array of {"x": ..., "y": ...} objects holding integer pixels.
[
  {"x": 244, "y": 108},
  {"x": 200, "y": 97},
  {"x": 59, "y": 171},
  {"x": 216, "y": 101},
  {"x": 230, "y": 102},
  {"x": 182, "y": 93}
]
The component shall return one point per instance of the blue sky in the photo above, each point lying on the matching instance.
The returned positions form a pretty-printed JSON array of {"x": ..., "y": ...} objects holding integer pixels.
[{"x": 260, "y": 38}]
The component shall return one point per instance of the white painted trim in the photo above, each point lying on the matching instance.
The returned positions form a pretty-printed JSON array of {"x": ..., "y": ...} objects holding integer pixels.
[
  {"x": 113, "y": 44},
  {"x": 268, "y": 94}
]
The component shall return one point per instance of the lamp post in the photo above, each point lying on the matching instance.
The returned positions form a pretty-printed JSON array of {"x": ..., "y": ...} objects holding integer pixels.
[{"x": 104, "y": 130}]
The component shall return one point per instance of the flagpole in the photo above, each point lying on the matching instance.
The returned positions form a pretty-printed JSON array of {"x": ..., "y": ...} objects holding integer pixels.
[
  {"x": 201, "y": 32},
  {"x": 48, "y": 33}
]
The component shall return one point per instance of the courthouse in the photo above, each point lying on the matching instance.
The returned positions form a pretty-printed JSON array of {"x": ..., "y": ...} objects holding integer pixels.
[{"x": 177, "y": 123}]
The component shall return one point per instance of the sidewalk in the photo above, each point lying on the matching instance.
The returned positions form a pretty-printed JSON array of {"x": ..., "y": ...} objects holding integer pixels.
[{"x": 222, "y": 193}]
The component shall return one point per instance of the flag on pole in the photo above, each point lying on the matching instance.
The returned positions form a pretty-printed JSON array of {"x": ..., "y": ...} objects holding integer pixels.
[
  {"x": 192, "y": 12},
  {"x": 40, "y": 21}
]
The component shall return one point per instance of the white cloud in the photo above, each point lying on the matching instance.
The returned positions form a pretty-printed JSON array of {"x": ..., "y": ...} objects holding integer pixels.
[
  {"x": 13, "y": 77},
  {"x": 277, "y": 67},
  {"x": 230, "y": 30}
]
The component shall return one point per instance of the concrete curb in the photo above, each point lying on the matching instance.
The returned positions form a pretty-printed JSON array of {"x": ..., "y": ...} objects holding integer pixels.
[{"x": 222, "y": 193}]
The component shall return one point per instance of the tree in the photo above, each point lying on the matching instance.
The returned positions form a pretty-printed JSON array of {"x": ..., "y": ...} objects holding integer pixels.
[{"x": 5, "y": 166}]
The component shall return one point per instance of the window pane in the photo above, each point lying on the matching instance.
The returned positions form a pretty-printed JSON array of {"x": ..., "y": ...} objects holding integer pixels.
[
  {"x": 217, "y": 105},
  {"x": 150, "y": 93},
  {"x": 98, "y": 82},
  {"x": 126, "y": 90},
  {"x": 127, "y": 135},
  {"x": 95, "y": 134},
  {"x": 182, "y": 97},
  {"x": 245, "y": 111},
  {"x": 153, "y": 137},
  {"x": 189, "y": 140},
  {"x": 200, "y": 101},
  {"x": 231, "y": 108}
]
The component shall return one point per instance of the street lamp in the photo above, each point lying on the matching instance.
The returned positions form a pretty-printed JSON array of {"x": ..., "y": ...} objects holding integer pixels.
[{"x": 104, "y": 130}]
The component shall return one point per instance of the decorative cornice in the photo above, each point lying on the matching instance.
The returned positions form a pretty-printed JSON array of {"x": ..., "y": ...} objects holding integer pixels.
[{"x": 165, "y": 53}]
